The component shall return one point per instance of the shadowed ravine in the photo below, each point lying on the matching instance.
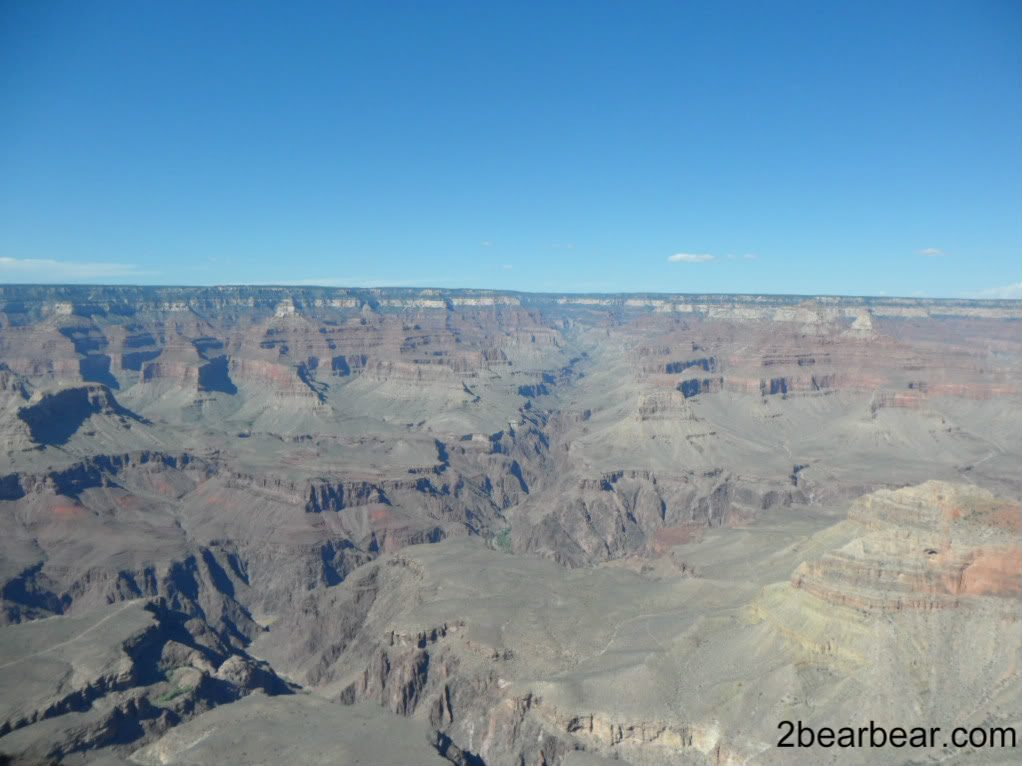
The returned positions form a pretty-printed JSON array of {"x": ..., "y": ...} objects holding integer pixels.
[{"x": 475, "y": 527}]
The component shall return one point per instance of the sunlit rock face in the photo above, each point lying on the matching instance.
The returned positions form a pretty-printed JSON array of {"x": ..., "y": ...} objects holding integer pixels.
[
  {"x": 924, "y": 547},
  {"x": 536, "y": 525}
]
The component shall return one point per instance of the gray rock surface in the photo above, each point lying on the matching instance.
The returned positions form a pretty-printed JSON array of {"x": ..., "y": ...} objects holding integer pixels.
[
  {"x": 113, "y": 678},
  {"x": 294, "y": 729},
  {"x": 533, "y": 529}
]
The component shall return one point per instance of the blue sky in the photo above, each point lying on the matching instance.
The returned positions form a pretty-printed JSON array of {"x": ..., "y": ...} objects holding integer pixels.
[{"x": 779, "y": 147}]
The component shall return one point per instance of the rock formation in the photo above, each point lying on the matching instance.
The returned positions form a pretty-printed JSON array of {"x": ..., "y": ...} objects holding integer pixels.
[{"x": 515, "y": 528}]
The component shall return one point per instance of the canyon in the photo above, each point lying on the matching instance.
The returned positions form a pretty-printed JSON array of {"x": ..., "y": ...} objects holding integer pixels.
[{"x": 403, "y": 525}]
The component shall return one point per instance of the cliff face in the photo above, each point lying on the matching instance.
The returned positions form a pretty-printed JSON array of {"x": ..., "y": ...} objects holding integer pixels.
[
  {"x": 240, "y": 452},
  {"x": 295, "y": 340},
  {"x": 652, "y": 665},
  {"x": 121, "y": 676},
  {"x": 583, "y": 428},
  {"x": 922, "y": 548}
]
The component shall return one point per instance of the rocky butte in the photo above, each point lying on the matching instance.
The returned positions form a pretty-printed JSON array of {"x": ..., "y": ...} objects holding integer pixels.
[{"x": 394, "y": 526}]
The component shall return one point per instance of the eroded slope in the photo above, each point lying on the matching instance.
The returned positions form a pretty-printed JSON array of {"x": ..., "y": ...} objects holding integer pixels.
[{"x": 392, "y": 470}]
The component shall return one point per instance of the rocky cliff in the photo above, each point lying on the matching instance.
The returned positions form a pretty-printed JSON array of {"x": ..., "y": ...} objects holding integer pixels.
[{"x": 261, "y": 458}]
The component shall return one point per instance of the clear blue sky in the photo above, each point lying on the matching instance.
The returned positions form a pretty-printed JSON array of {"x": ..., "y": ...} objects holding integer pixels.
[{"x": 805, "y": 147}]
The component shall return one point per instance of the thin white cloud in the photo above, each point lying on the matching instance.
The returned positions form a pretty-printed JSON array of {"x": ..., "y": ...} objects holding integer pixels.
[
  {"x": 507, "y": 267},
  {"x": 931, "y": 252},
  {"x": 690, "y": 258},
  {"x": 1003, "y": 292},
  {"x": 486, "y": 243},
  {"x": 751, "y": 257},
  {"x": 49, "y": 270}
]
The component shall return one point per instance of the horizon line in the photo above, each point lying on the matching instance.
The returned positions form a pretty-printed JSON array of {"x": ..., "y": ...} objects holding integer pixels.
[{"x": 408, "y": 288}]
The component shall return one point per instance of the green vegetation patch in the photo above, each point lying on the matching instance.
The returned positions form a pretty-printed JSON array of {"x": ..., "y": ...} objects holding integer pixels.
[
  {"x": 177, "y": 691},
  {"x": 503, "y": 540}
]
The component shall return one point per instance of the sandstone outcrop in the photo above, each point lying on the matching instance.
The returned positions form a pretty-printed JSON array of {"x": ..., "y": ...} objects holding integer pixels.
[
  {"x": 498, "y": 513},
  {"x": 926, "y": 547}
]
